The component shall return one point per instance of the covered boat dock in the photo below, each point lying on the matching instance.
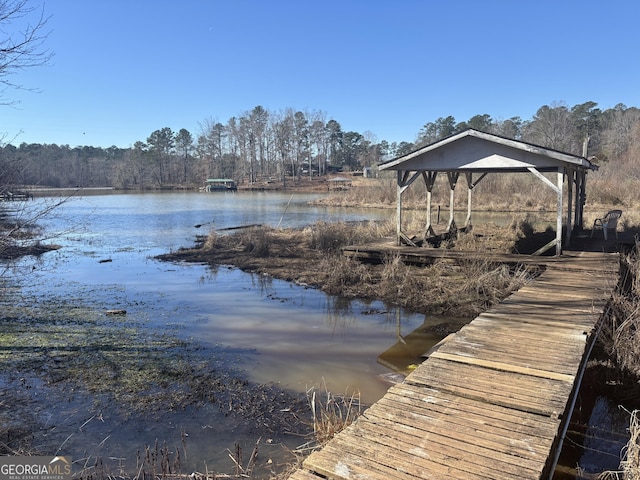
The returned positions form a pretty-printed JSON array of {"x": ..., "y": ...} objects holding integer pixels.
[{"x": 474, "y": 155}]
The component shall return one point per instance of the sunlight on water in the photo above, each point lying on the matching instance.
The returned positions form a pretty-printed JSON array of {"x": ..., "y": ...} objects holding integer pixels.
[
  {"x": 282, "y": 333},
  {"x": 279, "y": 332}
]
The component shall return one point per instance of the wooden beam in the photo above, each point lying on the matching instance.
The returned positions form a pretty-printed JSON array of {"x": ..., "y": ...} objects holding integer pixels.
[
  {"x": 474, "y": 184},
  {"x": 543, "y": 249},
  {"x": 546, "y": 181},
  {"x": 558, "y": 189},
  {"x": 406, "y": 181}
]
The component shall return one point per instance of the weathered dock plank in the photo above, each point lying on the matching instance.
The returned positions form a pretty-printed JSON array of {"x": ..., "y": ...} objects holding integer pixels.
[{"x": 493, "y": 401}]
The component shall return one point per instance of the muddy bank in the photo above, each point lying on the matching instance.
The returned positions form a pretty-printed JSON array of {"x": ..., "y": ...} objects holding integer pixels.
[{"x": 73, "y": 375}]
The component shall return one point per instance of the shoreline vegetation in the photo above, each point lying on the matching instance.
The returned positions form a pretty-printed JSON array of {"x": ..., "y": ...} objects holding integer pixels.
[{"x": 311, "y": 256}]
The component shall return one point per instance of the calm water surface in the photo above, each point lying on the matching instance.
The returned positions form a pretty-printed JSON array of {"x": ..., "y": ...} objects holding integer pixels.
[
  {"x": 299, "y": 336},
  {"x": 285, "y": 333}
]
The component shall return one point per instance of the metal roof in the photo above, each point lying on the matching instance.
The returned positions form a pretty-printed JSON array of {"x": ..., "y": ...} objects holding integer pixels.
[{"x": 473, "y": 150}]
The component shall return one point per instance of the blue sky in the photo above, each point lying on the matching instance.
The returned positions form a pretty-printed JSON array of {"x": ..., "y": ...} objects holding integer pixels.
[{"x": 124, "y": 68}]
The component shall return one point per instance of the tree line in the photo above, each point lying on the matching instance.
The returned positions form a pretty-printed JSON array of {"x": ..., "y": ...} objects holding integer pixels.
[{"x": 260, "y": 144}]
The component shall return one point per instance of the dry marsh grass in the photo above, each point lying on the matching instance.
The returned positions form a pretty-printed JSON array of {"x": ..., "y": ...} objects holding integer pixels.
[
  {"x": 620, "y": 333},
  {"x": 620, "y": 337},
  {"x": 331, "y": 414},
  {"x": 313, "y": 256},
  {"x": 331, "y": 237}
]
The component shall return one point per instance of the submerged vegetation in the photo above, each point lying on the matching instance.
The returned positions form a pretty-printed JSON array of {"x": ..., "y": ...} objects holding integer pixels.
[
  {"x": 74, "y": 354},
  {"x": 65, "y": 345},
  {"x": 313, "y": 256}
]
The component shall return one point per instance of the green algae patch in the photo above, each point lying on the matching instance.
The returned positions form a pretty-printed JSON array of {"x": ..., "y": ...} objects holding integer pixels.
[
  {"x": 125, "y": 363},
  {"x": 83, "y": 347}
]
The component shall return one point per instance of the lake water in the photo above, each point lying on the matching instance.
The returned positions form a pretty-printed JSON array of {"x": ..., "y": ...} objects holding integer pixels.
[
  {"x": 278, "y": 332},
  {"x": 299, "y": 336},
  {"x": 287, "y": 334}
]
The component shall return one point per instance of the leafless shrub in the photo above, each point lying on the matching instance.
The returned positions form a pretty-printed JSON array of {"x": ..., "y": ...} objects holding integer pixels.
[
  {"x": 367, "y": 231},
  {"x": 330, "y": 237},
  {"x": 395, "y": 270},
  {"x": 620, "y": 333},
  {"x": 341, "y": 272},
  {"x": 256, "y": 240},
  {"x": 490, "y": 282},
  {"x": 465, "y": 288},
  {"x": 210, "y": 241}
]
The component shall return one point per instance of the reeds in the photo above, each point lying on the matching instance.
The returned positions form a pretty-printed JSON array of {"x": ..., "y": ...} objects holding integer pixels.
[
  {"x": 331, "y": 237},
  {"x": 331, "y": 414},
  {"x": 158, "y": 462},
  {"x": 630, "y": 464},
  {"x": 620, "y": 337},
  {"x": 256, "y": 240},
  {"x": 620, "y": 334}
]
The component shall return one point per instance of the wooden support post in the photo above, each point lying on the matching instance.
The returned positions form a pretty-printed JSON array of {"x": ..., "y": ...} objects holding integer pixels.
[
  {"x": 399, "y": 191},
  {"x": 570, "y": 180},
  {"x": 429, "y": 180},
  {"x": 469, "y": 176},
  {"x": 583, "y": 198},
  {"x": 471, "y": 185},
  {"x": 404, "y": 179},
  {"x": 453, "y": 180},
  {"x": 576, "y": 210},
  {"x": 557, "y": 187},
  {"x": 560, "y": 182}
]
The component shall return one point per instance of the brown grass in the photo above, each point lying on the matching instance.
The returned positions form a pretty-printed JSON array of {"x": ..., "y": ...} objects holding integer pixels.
[
  {"x": 331, "y": 414},
  {"x": 313, "y": 256},
  {"x": 620, "y": 337},
  {"x": 620, "y": 333},
  {"x": 630, "y": 464}
]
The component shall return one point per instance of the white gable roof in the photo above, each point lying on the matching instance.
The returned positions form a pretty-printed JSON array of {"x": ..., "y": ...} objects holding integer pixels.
[{"x": 472, "y": 150}]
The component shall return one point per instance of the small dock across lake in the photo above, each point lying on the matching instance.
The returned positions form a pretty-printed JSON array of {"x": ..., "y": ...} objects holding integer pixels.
[{"x": 495, "y": 400}]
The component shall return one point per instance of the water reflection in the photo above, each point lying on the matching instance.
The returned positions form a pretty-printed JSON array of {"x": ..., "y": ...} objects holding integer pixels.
[{"x": 282, "y": 333}]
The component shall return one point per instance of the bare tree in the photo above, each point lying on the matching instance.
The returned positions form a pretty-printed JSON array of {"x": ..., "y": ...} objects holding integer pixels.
[
  {"x": 22, "y": 37},
  {"x": 619, "y": 125},
  {"x": 552, "y": 127},
  {"x": 283, "y": 128}
]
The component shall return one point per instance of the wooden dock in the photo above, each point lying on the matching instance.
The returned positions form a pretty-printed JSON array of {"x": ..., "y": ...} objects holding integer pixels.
[{"x": 495, "y": 400}]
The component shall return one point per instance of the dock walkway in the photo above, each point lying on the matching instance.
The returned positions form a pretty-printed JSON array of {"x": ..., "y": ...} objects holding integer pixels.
[{"x": 495, "y": 400}]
